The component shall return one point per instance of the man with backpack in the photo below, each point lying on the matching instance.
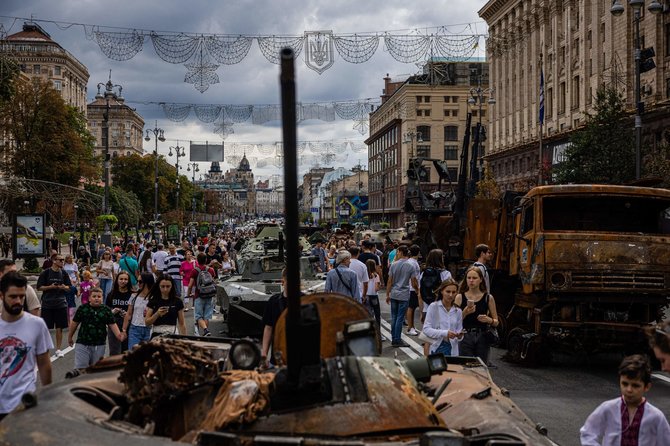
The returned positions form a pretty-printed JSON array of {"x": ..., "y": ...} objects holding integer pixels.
[{"x": 202, "y": 281}]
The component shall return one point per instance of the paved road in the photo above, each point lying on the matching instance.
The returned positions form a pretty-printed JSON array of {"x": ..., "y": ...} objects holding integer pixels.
[{"x": 559, "y": 396}]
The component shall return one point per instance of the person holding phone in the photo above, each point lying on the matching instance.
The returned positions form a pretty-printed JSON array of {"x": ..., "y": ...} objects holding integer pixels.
[
  {"x": 479, "y": 313},
  {"x": 165, "y": 311}
]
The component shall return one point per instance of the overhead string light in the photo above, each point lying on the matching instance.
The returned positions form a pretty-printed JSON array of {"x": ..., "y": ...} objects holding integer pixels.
[
  {"x": 202, "y": 54},
  {"x": 356, "y": 110}
]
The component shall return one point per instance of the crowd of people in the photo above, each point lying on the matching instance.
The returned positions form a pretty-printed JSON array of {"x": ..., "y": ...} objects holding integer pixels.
[{"x": 126, "y": 294}]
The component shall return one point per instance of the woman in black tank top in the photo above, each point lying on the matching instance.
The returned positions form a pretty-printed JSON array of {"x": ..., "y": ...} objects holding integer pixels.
[{"x": 479, "y": 312}]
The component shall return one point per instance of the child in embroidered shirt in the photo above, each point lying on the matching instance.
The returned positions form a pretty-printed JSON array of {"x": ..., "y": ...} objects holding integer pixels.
[
  {"x": 85, "y": 286},
  {"x": 629, "y": 420}
]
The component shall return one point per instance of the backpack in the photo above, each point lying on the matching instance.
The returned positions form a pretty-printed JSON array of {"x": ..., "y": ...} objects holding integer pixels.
[
  {"x": 430, "y": 281},
  {"x": 205, "y": 283}
]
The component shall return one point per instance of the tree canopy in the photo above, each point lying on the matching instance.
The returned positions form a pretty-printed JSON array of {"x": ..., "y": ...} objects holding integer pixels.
[
  {"x": 49, "y": 139},
  {"x": 604, "y": 150}
]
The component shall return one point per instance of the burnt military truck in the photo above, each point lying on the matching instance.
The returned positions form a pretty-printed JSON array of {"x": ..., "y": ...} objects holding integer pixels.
[
  {"x": 589, "y": 264},
  {"x": 576, "y": 267}
]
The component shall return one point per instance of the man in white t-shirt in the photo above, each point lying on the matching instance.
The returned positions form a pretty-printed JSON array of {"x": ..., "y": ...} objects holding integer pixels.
[
  {"x": 158, "y": 258},
  {"x": 361, "y": 271},
  {"x": 24, "y": 343}
]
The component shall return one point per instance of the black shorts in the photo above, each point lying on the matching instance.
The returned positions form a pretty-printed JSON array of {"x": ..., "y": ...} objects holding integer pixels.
[
  {"x": 55, "y": 317},
  {"x": 413, "y": 300}
]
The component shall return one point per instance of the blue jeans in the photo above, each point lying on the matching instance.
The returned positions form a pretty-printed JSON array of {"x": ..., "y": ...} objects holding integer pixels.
[
  {"x": 398, "y": 310},
  {"x": 137, "y": 334},
  {"x": 106, "y": 285},
  {"x": 444, "y": 348}
]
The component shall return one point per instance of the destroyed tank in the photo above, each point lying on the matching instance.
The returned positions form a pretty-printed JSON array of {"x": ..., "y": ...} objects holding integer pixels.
[
  {"x": 243, "y": 297},
  {"x": 330, "y": 386}
]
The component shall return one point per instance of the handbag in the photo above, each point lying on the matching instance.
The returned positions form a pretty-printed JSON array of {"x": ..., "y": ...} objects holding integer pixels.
[{"x": 491, "y": 335}]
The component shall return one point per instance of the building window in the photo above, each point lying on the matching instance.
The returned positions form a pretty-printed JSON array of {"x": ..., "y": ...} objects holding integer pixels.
[
  {"x": 426, "y": 112},
  {"x": 453, "y": 174},
  {"x": 426, "y": 99},
  {"x": 450, "y": 152},
  {"x": 37, "y": 69},
  {"x": 454, "y": 113},
  {"x": 419, "y": 112},
  {"x": 57, "y": 70},
  {"x": 454, "y": 99},
  {"x": 424, "y": 131},
  {"x": 447, "y": 99},
  {"x": 575, "y": 92},
  {"x": 561, "y": 98},
  {"x": 419, "y": 99},
  {"x": 451, "y": 133},
  {"x": 58, "y": 85},
  {"x": 423, "y": 151},
  {"x": 447, "y": 113}
]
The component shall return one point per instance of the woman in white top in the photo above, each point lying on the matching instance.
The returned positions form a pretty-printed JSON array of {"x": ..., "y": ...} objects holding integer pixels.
[
  {"x": 434, "y": 264},
  {"x": 105, "y": 272},
  {"x": 444, "y": 321},
  {"x": 227, "y": 265},
  {"x": 71, "y": 269},
  {"x": 134, "y": 319}
]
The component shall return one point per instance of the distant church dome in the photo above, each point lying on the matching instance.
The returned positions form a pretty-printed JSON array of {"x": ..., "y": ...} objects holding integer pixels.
[{"x": 244, "y": 164}]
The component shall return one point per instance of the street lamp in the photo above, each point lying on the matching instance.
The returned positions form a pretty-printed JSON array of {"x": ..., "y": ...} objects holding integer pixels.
[
  {"x": 194, "y": 169},
  {"x": 408, "y": 138},
  {"x": 158, "y": 136},
  {"x": 179, "y": 151},
  {"x": 109, "y": 94},
  {"x": 616, "y": 10},
  {"x": 477, "y": 98}
]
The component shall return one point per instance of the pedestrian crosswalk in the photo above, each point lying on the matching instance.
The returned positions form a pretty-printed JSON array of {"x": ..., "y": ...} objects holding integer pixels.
[{"x": 413, "y": 351}]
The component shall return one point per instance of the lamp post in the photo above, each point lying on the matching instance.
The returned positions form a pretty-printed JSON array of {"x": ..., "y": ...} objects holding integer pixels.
[
  {"x": 179, "y": 152},
  {"x": 477, "y": 98},
  {"x": 109, "y": 94},
  {"x": 408, "y": 138},
  {"x": 158, "y": 136},
  {"x": 194, "y": 170},
  {"x": 616, "y": 10}
]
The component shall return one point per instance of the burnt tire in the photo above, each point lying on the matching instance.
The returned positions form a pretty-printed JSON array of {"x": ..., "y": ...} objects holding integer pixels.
[{"x": 515, "y": 344}]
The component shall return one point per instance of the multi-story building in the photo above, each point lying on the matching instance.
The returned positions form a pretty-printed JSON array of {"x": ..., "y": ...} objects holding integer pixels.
[
  {"x": 269, "y": 200},
  {"x": 125, "y": 124},
  {"x": 421, "y": 116},
  {"x": 310, "y": 187},
  {"x": 578, "y": 45},
  {"x": 40, "y": 57},
  {"x": 349, "y": 194},
  {"x": 236, "y": 188}
]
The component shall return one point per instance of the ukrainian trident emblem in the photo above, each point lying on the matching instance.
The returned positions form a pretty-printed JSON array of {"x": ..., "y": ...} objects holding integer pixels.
[{"x": 319, "y": 50}]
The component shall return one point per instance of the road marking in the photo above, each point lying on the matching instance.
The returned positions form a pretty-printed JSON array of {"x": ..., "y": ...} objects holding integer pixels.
[
  {"x": 406, "y": 350},
  {"x": 661, "y": 377},
  {"x": 413, "y": 351},
  {"x": 64, "y": 351}
]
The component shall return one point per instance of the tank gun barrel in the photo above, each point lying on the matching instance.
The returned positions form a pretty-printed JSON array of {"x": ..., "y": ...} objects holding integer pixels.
[{"x": 289, "y": 132}]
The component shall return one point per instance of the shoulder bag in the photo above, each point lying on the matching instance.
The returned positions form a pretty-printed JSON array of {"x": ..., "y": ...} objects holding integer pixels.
[{"x": 423, "y": 337}]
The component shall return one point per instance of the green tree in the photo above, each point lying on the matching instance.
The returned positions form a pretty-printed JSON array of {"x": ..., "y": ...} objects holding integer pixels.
[
  {"x": 134, "y": 173},
  {"x": 49, "y": 140},
  {"x": 9, "y": 71},
  {"x": 604, "y": 150}
]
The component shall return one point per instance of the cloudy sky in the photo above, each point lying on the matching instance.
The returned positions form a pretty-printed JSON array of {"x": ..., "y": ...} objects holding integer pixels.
[{"x": 253, "y": 81}]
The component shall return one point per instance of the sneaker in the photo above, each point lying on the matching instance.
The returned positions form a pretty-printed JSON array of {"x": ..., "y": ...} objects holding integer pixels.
[
  {"x": 195, "y": 330},
  {"x": 384, "y": 338},
  {"x": 60, "y": 354},
  {"x": 207, "y": 333},
  {"x": 412, "y": 332},
  {"x": 399, "y": 344},
  {"x": 186, "y": 309}
]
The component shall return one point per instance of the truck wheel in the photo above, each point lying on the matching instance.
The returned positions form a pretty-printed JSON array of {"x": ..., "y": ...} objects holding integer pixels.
[{"x": 515, "y": 344}]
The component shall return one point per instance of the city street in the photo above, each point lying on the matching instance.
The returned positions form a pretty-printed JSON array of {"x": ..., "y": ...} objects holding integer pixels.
[{"x": 574, "y": 384}]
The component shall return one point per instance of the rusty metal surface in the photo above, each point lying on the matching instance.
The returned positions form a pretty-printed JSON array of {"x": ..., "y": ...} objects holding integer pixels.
[
  {"x": 394, "y": 405},
  {"x": 595, "y": 189},
  {"x": 495, "y": 413},
  {"x": 334, "y": 310},
  {"x": 241, "y": 398}
]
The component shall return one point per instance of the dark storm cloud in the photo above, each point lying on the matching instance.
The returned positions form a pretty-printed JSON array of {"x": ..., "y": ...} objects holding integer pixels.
[{"x": 255, "y": 80}]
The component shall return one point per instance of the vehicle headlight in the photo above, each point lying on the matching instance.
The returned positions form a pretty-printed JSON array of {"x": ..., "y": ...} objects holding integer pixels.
[
  {"x": 558, "y": 280},
  {"x": 244, "y": 355}
]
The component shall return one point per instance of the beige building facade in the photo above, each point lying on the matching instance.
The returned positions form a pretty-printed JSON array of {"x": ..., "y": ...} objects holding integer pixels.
[
  {"x": 579, "y": 45},
  {"x": 40, "y": 57},
  {"x": 125, "y": 124},
  {"x": 422, "y": 116}
]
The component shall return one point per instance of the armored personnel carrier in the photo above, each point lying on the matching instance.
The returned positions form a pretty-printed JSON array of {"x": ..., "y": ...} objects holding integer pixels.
[{"x": 260, "y": 262}]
